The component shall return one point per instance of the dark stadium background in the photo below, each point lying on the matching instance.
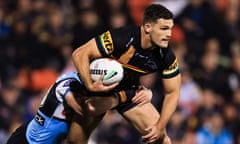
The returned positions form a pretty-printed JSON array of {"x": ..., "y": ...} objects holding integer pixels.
[{"x": 38, "y": 36}]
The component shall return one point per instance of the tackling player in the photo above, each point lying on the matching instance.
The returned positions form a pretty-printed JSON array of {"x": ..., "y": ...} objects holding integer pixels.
[{"x": 51, "y": 123}]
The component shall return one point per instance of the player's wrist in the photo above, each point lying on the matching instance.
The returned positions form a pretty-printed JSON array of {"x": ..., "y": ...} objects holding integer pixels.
[
  {"x": 160, "y": 125},
  {"x": 89, "y": 86}
]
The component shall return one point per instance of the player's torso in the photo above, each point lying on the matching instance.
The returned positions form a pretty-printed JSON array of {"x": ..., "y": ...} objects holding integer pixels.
[
  {"x": 141, "y": 62},
  {"x": 125, "y": 46}
]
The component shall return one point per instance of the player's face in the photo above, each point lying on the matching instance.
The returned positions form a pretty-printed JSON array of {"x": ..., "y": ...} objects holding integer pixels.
[{"x": 161, "y": 32}]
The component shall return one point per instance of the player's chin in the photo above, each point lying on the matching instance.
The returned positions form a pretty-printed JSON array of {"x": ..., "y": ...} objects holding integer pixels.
[{"x": 164, "y": 44}]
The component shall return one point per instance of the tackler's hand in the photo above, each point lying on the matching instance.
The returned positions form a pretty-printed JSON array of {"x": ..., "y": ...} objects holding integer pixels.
[
  {"x": 71, "y": 101},
  {"x": 142, "y": 96},
  {"x": 98, "y": 86}
]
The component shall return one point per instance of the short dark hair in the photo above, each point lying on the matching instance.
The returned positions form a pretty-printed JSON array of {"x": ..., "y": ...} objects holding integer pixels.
[{"x": 156, "y": 11}]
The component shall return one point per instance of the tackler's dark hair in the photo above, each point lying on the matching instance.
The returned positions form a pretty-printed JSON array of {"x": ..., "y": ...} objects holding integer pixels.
[{"x": 156, "y": 11}]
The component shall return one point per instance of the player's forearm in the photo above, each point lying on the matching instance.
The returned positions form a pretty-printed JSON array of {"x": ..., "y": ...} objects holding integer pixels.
[
  {"x": 169, "y": 107},
  {"x": 80, "y": 59}
]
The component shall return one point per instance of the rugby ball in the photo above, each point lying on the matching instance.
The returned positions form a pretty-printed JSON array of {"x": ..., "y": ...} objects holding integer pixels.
[{"x": 112, "y": 70}]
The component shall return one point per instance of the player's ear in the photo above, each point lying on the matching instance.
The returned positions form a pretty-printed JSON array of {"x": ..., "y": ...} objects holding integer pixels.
[{"x": 147, "y": 27}]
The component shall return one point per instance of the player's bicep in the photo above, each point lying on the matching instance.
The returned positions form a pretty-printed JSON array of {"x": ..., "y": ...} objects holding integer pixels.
[
  {"x": 93, "y": 49},
  {"x": 171, "y": 77},
  {"x": 172, "y": 85},
  {"x": 63, "y": 89}
]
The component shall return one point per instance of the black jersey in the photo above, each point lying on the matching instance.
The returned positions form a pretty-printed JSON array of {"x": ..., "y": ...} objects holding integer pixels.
[{"x": 124, "y": 44}]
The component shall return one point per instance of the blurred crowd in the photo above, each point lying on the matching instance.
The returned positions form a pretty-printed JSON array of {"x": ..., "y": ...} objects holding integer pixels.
[{"x": 38, "y": 36}]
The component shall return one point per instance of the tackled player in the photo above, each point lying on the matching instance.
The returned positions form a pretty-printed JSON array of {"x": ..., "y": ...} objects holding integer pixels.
[{"x": 142, "y": 50}]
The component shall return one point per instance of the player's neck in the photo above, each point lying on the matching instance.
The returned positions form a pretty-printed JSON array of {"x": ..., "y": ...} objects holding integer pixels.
[{"x": 145, "y": 39}]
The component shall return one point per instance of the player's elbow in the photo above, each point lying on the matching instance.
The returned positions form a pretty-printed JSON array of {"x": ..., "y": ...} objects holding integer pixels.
[{"x": 76, "y": 53}]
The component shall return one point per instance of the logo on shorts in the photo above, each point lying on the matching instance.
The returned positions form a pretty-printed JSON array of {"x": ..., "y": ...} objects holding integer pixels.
[
  {"x": 39, "y": 119},
  {"x": 107, "y": 42}
]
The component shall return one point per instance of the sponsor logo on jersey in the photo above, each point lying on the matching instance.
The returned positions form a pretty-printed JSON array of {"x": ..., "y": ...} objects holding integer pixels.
[
  {"x": 40, "y": 120},
  {"x": 98, "y": 71},
  {"x": 107, "y": 42}
]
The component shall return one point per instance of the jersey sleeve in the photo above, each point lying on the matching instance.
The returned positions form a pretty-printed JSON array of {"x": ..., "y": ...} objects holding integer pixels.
[
  {"x": 112, "y": 43},
  {"x": 63, "y": 88},
  {"x": 105, "y": 43},
  {"x": 170, "y": 68}
]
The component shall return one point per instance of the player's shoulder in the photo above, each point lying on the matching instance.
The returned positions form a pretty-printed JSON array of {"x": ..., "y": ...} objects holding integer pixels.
[
  {"x": 164, "y": 53},
  {"x": 168, "y": 51},
  {"x": 71, "y": 75},
  {"x": 126, "y": 36},
  {"x": 129, "y": 30},
  {"x": 116, "y": 41}
]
